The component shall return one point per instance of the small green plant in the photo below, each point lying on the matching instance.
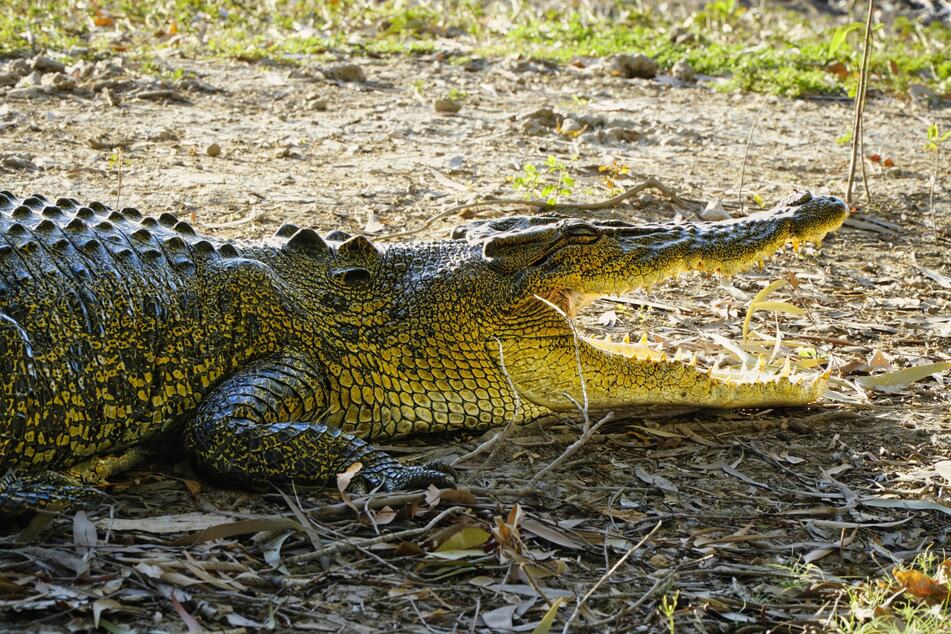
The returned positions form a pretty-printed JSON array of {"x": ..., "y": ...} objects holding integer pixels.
[
  {"x": 935, "y": 139},
  {"x": 839, "y": 37},
  {"x": 845, "y": 138},
  {"x": 612, "y": 171},
  {"x": 550, "y": 183},
  {"x": 456, "y": 94},
  {"x": 668, "y": 608},
  {"x": 912, "y": 598},
  {"x": 801, "y": 575}
]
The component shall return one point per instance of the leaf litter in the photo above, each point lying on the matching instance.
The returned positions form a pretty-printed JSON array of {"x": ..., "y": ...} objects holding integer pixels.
[{"x": 760, "y": 519}]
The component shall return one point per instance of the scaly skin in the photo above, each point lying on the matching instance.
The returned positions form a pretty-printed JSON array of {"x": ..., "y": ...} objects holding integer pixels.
[{"x": 273, "y": 360}]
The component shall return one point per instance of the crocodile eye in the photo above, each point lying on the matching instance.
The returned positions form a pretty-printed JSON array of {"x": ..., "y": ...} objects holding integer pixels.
[
  {"x": 351, "y": 276},
  {"x": 582, "y": 232}
]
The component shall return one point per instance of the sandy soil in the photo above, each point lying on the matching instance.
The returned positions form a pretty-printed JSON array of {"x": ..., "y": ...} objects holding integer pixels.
[{"x": 764, "y": 516}]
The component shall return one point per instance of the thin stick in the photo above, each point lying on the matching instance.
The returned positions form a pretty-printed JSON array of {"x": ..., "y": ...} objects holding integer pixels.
[
  {"x": 574, "y": 334},
  {"x": 118, "y": 151},
  {"x": 749, "y": 142},
  {"x": 868, "y": 195},
  {"x": 572, "y": 449},
  {"x": 541, "y": 204},
  {"x": 588, "y": 430},
  {"x": 607, "y": 575},
  {"x": 934, "y": 179},
  {"x": 355, "y": 544},
  {"x": 860, "y": 102}
]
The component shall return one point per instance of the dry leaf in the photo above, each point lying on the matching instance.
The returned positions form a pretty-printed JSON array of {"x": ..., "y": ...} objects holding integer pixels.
[
  {"x": 101, "y": 605},
  {"x": 544, "y": 626},
  {"x": 911, "y": 505},
  {"x": 84, "y": 533},
  {"x": 162, "y": 524},
  {"x": 943, "y": 467},
  {"x": 922, "y": 586},
  {"x": 838, "y": 69},
  {"x": 384, "y": 516},
  {"x": 194, "y": 627},
  {"x": 343, "y": 481},
  {"x": 373, "y": 224},
  {"x": 552, "y": 534},
  {"x": 241, "y": 527},
  {"x": 901, "y": 378},
  {"x": 466, "y": 538},
  {"x": 608, "y": 318},
  {"x": 660, "y": 482},
  {"x": 879, "y": 361}
]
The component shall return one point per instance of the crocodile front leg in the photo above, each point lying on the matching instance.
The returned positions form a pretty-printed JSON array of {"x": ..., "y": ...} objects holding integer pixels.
[{"x": 260, "y": 424}]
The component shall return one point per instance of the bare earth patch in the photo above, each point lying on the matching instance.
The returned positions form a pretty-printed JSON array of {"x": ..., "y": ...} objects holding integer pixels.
[{"x": 761, "y": 518}]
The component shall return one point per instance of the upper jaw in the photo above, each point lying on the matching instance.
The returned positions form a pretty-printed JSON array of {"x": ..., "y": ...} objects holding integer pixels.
[{"x": 636, "y": 256}]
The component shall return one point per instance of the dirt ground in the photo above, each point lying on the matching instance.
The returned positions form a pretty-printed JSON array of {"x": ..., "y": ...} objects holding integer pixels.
[{"x": 733, "y": 521}]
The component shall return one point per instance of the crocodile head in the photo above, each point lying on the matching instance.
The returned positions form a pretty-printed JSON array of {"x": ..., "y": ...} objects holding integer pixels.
[
  {"x": 553, "y": 266},
  {"x": 475, "y": 331}
]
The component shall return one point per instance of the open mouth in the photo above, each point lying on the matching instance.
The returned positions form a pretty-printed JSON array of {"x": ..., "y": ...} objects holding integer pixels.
[{"x": 721, "y": 373}]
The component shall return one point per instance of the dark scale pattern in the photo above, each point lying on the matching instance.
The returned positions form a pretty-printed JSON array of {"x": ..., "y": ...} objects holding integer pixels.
[
  {"x": 115, "y": 327},
  {"x": 274, "y": 360}
]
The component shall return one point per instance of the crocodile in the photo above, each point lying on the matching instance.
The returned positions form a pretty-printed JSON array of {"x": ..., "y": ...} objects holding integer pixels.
[{"x": 281, "y": 359}]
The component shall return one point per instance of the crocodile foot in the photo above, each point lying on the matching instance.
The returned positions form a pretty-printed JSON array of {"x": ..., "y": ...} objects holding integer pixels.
[{"x": 394, "y": 476}]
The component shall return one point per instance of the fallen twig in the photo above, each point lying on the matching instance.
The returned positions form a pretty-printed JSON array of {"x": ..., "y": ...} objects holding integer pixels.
[
  {"x": 860, "y": 103},
  {"x": 607, "y": 575},
  {"x": 572, "y": 449},
  {"x": 355, "y": 544},
  {"x": 541, "y": 204},
  {"x": 746, "y": 154}
]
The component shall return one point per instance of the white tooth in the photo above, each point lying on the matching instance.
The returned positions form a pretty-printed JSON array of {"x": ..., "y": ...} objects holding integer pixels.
[
  {"x": 787, "y": 368},
  {"x": 760, "y": 363},
  {"x": 627, "y": 338}
]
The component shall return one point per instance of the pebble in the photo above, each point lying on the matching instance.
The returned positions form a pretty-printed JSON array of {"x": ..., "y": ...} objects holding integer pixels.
[
  {"x": 714, "y": 211},
  {"x": 475, "y": 65},
  {"x": 541, "y": 121},
  {"x": 316, "y": 103},
  {"x": 631, "y": 66},
  {"x": 447, "y": 106},
  {"x": 20, "y": 67},
  {"x": 59, "y": 81},
  {"x": 8, "y": 79},
  {"x": 30, "y": 81},
  {"x": 683, "y": 71},
  {"x": 920, "y": 92},
  {"x": 45, "y": 64},
  {"x": 344, "y": 72},
  {"x": 213, "y": 150},
  {"x": 621, "y": 135},
  {"x": 165, "y": 134},
  {"x": 18, "y": 163},
  {"x": 571, "y": 124}
]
